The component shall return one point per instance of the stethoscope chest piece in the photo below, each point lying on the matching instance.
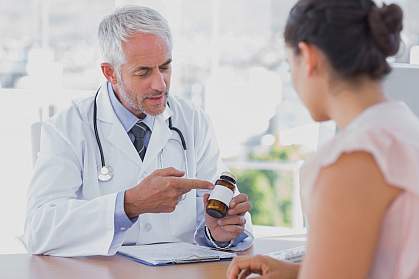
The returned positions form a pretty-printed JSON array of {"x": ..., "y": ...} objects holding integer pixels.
[{"x": 105, "y": 174}]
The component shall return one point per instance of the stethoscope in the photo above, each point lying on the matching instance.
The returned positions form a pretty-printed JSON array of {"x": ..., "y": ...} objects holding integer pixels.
[{"x": 105, "y": 172}]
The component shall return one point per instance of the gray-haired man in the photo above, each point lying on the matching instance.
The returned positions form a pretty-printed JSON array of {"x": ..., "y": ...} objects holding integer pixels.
[{"x": 111, "y": 169}]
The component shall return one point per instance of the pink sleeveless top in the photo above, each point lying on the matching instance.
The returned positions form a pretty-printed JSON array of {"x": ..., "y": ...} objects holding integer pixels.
[{"x": 390, "y": 132}]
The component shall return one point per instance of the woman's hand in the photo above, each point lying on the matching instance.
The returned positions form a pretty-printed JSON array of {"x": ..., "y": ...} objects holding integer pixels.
[{"x": 267, "y": 267}]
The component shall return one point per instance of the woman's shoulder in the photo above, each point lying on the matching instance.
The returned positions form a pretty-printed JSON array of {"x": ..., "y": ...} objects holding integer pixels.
[{"x": 391, "y": 135}]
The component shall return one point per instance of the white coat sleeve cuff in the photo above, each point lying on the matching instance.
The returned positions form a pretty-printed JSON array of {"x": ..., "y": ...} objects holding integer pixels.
[{"x": 121, "y": 223}]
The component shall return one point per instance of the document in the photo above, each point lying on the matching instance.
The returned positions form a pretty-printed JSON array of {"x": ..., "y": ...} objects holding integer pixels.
[{"x": 173, "y": 253}]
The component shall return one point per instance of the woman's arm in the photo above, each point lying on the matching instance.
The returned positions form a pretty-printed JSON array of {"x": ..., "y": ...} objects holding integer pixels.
[
  {"x": 347, "y": 207},
  {"x": 348, "y": 204}
]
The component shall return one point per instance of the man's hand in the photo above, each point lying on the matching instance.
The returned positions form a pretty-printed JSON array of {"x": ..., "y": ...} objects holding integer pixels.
[
  {"x": 160, "y": 192},
  {"x": 229, "y": 227}
]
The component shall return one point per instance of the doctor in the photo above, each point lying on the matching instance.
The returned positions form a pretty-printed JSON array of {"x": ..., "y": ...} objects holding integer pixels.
[{"x": 111, "y": 169}]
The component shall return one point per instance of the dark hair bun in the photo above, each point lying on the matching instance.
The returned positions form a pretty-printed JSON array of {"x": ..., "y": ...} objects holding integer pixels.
[
  {"x": 355, "y": 35},
  {"x": 386, "y": 23}
]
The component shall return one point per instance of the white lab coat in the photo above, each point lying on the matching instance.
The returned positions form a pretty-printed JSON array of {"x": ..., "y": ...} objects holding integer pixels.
[{"x": 71, "y": 213}]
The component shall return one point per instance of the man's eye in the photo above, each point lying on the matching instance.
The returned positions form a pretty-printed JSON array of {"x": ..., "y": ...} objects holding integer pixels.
[{"x": 141, "y": 73}]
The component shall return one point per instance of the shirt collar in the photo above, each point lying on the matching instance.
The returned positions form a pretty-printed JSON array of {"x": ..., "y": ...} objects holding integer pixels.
[{"x": 127, "y": 118}]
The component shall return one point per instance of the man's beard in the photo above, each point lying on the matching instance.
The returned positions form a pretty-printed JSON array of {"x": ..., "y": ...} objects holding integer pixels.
[{"x": 138, "y": 107}]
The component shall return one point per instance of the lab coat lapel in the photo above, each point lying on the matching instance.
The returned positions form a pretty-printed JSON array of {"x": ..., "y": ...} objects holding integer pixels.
[
  {"x": 111, "y": 129},
  {"x": 159, "y": 137}
]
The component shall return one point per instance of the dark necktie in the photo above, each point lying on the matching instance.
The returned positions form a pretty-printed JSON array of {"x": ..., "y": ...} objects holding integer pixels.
[{"x": 139, "y": 131}]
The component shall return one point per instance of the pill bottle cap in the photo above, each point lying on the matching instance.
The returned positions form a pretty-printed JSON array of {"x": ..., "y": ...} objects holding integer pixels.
[{"x": 228, "y": 176}]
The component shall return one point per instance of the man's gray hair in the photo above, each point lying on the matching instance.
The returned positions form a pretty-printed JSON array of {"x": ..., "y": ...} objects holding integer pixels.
[{"x": 125, "y": 22}]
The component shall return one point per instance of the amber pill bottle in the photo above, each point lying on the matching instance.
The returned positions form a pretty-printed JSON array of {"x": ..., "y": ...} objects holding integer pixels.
[{"x": 221, "y": 195}]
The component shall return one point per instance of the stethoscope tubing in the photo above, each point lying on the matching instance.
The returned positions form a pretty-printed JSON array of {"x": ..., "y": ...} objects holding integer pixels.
[{"x": 107, "y": 169}]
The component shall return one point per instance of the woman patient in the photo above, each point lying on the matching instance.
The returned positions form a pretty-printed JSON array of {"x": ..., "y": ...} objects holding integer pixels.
[{"x": 360, "y": 192}]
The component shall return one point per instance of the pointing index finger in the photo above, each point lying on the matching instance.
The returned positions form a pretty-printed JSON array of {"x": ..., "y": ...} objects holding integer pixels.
[{"x": 187, "y": 184}]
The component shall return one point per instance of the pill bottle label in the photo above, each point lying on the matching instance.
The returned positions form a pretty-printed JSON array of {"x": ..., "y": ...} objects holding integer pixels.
[{"x": 221, "y": 193}]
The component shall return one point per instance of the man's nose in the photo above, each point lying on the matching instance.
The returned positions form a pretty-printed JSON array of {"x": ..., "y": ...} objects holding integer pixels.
[{"x": 158, "y": 83}]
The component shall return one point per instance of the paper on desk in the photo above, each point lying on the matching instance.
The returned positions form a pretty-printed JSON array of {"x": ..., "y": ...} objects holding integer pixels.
[{"x": 172, "y": 253}]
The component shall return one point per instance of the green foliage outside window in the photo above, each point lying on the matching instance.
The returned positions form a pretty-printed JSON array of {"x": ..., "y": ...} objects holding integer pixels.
[{"x": 270, "y": 191}]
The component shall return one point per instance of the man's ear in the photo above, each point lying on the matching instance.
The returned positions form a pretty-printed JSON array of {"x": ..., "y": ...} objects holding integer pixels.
[
  {"x": 109, "y": 73},
  {"x": 310, "y": 57}
]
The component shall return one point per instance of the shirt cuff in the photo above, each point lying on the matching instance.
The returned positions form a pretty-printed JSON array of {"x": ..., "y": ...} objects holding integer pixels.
[
  {"x": 121, "y": 223},
  {"x": 240, "y": 243},
  {"x": 217, "y": 244}
]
